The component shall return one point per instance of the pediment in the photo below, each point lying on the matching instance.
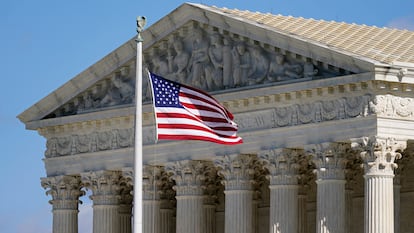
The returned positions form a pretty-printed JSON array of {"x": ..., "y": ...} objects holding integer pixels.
[
  {"x": 208, "y": 50},
  {"x": 204, "y": 57}
]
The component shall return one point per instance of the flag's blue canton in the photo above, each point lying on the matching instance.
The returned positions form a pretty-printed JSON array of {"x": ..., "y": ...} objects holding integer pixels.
[{"x": 166, "y": 93}]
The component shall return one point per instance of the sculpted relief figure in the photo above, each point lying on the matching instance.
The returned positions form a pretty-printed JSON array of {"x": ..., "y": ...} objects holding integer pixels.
[
  {"x": 177, "y": 64},
  {"x": 281, "y": 70},
  {"x": 199, "y": 65},
  {"x": 220, "y": 61},
  {"x": 260, "y": 66},
  {"x": 160, "y": 65},
  {"x": 223, "y": 62},
  {"x": 119, "y": 92},
  {"x": 309, "y": 71},
  {"x": 217, "y": 59},
  {"x": 241, "y": 64},
  {"x": 227, "y": 64}
]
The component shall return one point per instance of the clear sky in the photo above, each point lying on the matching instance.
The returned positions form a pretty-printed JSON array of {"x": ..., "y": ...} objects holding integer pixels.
[{"x": 46, "y": 43}]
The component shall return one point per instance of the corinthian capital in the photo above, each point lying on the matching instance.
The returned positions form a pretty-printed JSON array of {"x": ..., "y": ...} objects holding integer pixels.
[
  {"x": 151, "y": 182},
  {"x": 106, "y": 186},
  {"x": 329, "y": 159},
  {"x": 189, "y": 175},
  {"x": 237, "y": 170},
  {"x": 65, "y": 191},
  {"x": 282, "y": 165},
  {"x": 379, "y": 154}
]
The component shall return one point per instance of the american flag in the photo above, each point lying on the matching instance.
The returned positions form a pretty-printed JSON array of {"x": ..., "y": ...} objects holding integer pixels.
[{"x": 186, "y": 113}]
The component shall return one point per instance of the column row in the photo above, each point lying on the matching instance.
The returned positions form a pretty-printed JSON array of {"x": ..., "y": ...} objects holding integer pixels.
[{"x": 182, "y": 196}]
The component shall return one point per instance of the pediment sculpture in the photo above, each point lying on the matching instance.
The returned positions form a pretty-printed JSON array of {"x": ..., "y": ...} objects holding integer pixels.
[
  {"x": 211, "y": 60},
  {"x": 206, "y": 58}
]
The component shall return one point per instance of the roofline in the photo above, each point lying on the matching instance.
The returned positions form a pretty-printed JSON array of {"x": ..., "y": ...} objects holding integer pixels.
[{"x": 171, "y": 22}]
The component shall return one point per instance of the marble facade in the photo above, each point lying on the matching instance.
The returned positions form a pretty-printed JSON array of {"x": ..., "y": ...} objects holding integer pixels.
[{"x": 328, "y": 135}]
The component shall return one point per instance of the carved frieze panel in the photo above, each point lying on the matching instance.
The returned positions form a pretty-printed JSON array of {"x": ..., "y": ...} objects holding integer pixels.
[
  {"x": 281, "y": 116},
  {"x": 306, "y": 113},
  {"x": 203, "y": 57},
  {"x": 92, "y": 142},
  {"x": 393, "y": 106}
]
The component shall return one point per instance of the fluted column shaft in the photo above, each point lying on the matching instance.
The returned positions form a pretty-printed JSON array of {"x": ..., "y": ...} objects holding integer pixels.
[
  {"x": 210, "y": 215},
  {"x": 125, "y": 215},
  {"x": 151, "y": 203},
  {"x": 189, "y": 177},
  {"x": 190, "y": 214},
  {"x": 166, "y": 221},
  {"x": 284, "y": 208},
  {"x": 167, "y": 203},
  {"x": 397, "y": 203},
  {"x": 237, "y": 171},
  {"x": 282, "y": 165},
  {"x": 379, "y": 155},
  {"x": 65, "y": 191},
  {"x": 106, "y": 218},
  {"x": 106, "y": 196},
  {"x": 151, "y": 216},
  {"x": 330, "y": 162},
  {"x": 330, "y": 212},
  {"x": 302, "y": 214},
  {"x": 238, "y": 211},
  {"x": 348, "y": 210},
  {"x": 379, "y": 204}
]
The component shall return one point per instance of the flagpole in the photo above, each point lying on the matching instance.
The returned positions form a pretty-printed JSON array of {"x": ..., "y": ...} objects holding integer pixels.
[{"x": 138, "y": 161}]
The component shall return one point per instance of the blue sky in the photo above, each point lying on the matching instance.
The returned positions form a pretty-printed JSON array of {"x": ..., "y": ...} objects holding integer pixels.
[{"x": 46, "y": 43}]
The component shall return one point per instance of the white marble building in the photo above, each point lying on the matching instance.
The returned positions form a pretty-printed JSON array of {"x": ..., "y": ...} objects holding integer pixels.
[{"x": 326, "y": 111}]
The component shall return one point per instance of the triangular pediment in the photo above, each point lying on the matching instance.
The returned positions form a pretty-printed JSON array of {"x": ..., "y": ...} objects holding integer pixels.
[{"x": 204, "y": 47}]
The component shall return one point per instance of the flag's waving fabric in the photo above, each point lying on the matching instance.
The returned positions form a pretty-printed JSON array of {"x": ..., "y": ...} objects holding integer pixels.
[{"x": 186, "y": 113}]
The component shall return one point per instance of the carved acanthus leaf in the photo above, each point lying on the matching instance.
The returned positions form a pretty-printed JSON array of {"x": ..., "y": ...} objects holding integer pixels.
[
  {"x": 379, "y": 154},
  {"x": 65, "y": 191},
  {"x": 237, "y": 171}
]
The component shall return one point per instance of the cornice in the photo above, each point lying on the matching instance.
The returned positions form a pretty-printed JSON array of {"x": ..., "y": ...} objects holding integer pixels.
[
  {"x": 243, "y": 100},
  {"x": 376, "y": 99}
]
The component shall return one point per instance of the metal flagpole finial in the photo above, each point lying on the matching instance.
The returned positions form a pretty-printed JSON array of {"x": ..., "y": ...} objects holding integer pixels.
[{"x": 141, "y": 21}]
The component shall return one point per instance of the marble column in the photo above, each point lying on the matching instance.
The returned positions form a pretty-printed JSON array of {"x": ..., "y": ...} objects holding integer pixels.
[
  {"x": 305, "y": 181},
  {"x": 125, "y": 204},
  {"x": 65, "y": 192},
  {"x": 212, "y": 186},
  {"x": 189, "y": 176},
  {"x": 167, "y": 204},
  {"x": 379, "y": 155},
  {"x": 302, "y": 213},
  {"x": 329, "y": 159},
  {"x": 125, "y": 211},
  {"x": 151, "y": 199},
  {"x": 283, "y": 176},
  {"x": 238, "y": 173},
  {"x": 397, "y": 201},
  {"x": 166, "y": 219},
  {"x": 105, "y": 186},
  {"x": 348, "y": 209},
  {"x": 352, "y": 175}
]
